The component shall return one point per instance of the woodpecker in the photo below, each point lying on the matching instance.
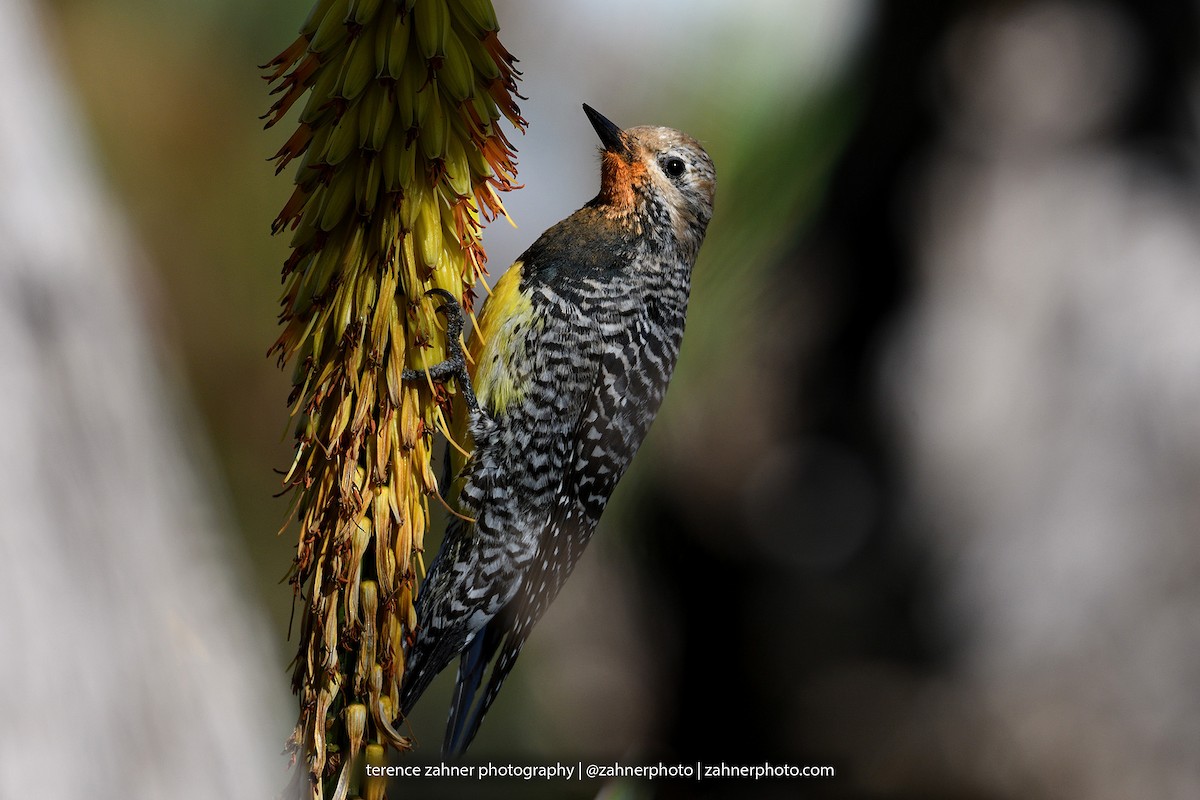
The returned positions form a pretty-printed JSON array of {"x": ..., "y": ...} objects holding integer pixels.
[{"x": 569, "y": 362}]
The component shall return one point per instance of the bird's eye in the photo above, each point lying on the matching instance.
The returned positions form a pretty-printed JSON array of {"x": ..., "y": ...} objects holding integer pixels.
[{"x": 674, "y": 167}]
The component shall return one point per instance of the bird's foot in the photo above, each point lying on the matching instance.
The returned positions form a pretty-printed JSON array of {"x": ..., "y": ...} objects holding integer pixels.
[{"x": 456, "y": 365}]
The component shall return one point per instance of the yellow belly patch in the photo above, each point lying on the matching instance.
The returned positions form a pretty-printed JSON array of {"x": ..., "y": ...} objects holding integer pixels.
[{"x": 498, "y": 340}]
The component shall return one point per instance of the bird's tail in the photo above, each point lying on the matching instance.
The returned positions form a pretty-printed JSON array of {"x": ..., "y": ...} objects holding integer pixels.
[{"x": 465, "y": 714}]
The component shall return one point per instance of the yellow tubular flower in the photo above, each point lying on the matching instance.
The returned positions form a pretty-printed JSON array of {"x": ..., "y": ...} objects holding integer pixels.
[{"x": 400, "y": 159}]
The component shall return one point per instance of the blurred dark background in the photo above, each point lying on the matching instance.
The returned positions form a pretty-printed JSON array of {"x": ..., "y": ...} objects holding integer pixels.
[{"x": 922, "y": 501}]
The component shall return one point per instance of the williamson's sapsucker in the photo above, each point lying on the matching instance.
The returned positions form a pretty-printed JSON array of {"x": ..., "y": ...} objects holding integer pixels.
[{"x": 569, "y": 363}]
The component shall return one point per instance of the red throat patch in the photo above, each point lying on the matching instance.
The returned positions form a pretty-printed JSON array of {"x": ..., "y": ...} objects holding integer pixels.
[{"x": 617, "y": 179}]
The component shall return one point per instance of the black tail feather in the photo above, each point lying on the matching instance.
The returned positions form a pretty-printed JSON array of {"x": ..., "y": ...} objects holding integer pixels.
[
  {"x": 464, "y": 719},
  {"x": 471, "y": 666}
]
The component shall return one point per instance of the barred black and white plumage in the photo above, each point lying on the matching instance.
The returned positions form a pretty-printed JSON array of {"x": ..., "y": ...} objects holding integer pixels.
[{"x": 572, "y": 357}]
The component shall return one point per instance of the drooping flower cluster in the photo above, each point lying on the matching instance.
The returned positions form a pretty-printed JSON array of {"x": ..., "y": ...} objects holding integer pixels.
[{"x": 400, "y": 158}]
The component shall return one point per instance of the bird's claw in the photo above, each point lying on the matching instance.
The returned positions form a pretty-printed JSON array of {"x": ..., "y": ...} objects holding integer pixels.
[{"x": 456, "y": 365}]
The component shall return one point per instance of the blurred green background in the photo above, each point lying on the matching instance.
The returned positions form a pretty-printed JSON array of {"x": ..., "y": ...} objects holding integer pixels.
[
  {"x": 171, "y": 95},
  {"x": 859, "y": 532}
]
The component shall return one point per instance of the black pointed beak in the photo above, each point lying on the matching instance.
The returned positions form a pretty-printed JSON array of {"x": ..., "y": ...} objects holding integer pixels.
[{"x": 610, "y": 134}]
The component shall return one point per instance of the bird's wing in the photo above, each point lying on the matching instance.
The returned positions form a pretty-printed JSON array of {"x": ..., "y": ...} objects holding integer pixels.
[
  {"x": 620, "y": 404},
  {"x": 534, "y": 362},
  {"x": 504, "y": 304},
  {"x": 435, "y": 646}
]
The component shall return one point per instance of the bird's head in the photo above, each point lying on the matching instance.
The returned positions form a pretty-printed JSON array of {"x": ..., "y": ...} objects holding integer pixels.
[{"x": 647, "y": 167}]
